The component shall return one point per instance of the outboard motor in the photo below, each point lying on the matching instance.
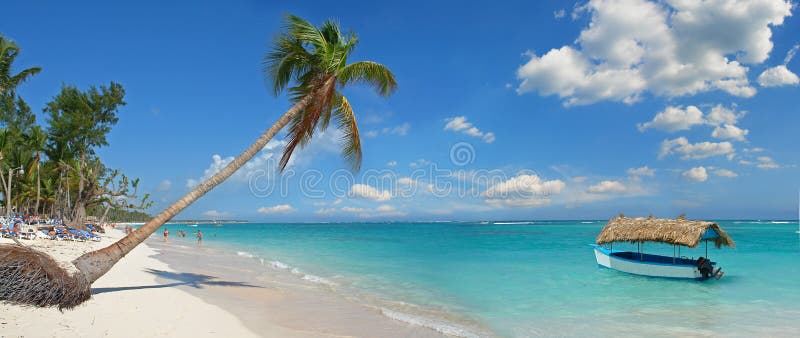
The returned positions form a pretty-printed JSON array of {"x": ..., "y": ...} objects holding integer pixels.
[{"x": 707, "y": 270}]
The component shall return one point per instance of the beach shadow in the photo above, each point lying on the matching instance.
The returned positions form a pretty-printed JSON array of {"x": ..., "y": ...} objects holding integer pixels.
[{"x": 194, "y": 280}]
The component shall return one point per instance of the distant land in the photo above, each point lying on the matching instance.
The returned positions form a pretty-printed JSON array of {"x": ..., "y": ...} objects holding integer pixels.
[{"x": 207, "y": 221}]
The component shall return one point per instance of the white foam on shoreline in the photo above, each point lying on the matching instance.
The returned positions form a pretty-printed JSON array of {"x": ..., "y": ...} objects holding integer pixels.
[
  {"x": 317, "y": 280},
  {"x": 434, "y": 324},
  {"x": 279, "y": 265},
  {"x": 304, "y": 276},
  {"x": 245, "y": 254}
]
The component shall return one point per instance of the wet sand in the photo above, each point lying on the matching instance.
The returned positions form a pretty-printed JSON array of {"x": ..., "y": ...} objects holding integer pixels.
[{"x": 263, "y": 297}]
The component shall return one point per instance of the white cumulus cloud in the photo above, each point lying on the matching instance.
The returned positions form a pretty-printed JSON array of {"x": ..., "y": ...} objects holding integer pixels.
[
  {"x": 278, "y": 209},
  {"x": 369, "y": 192},
  {"x": 642, "y": 171},
  {"x": 673, "y": 119},
  {"x": 676, "y": 118},
  {"x": 729, "y": 131},
  {"x": 522, "y": 191},
  {"x": 696, "y": 174},
  {"x": 694, "y": 151},
  {"x": 778, "y": 76},
  {"x": 607, "y": 187},
  {"x": 668, "y": 48}
]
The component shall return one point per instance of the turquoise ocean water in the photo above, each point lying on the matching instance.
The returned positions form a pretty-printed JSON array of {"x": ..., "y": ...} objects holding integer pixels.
[{"x": 536, "y": 278}]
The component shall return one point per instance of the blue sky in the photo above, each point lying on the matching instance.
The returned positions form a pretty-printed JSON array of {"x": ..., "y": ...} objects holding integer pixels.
[{"x": 505, "y": 110}]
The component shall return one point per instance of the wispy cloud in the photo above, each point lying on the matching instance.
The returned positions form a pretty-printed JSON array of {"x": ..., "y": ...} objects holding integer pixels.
[
  {"x": 214, "y": 213},
  {"x": 164, "y": 185},
  {"x": 460, "y": 124}
]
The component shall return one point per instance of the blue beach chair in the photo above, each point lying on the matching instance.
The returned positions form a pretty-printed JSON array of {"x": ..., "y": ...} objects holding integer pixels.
[
  {"x": 90, "y": 235},
  {"x": 77, "y": 235}
]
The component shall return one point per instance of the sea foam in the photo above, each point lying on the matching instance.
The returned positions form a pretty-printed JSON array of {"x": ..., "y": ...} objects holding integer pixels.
[
  {"x": 279, "y": 265},
  {"x": 304, "y": 276},
  {"x": 318, "y": 280},
  {"x": 245, "y": 254},
  {"x": 435, "y": 324}
]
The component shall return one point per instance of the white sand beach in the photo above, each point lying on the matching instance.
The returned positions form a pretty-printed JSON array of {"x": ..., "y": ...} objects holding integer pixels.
[
  {"x": 208, "y": 297},
  {"x": 123, "y": 300}
]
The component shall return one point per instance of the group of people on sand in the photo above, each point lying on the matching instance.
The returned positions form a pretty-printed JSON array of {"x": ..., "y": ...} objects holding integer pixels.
[{"x": 182, "y": 233}]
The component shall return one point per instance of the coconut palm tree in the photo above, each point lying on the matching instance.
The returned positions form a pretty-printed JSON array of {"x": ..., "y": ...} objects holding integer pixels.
[
  {"x": 8, "y": 83},
  {"x": 35, "y": 140},
  {"x": 313, "y": 60}
]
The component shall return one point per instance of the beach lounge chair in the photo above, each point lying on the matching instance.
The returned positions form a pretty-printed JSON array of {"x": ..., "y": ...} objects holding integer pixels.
[
  {"x": 29, "y": 235},
  {"x": 46, "y": 234},
  {"x": 63, "y": 234},
  {"x": 77, "y": 235},
  {"x": 91, "y": 236},
  {"x": 12, "y": 234}
]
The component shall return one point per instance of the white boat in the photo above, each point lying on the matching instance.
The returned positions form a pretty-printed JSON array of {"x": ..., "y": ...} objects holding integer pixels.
[{"x": 678, "y": 232}]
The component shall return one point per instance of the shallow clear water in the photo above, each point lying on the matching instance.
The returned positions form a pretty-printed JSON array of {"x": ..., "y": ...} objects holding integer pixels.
[{"x": 539, "y": 277}]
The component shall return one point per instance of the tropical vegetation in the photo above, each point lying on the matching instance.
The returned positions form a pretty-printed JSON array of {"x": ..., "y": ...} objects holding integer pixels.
[
  {"x": 54, "y": 171},
  {"x": 308, "y": 62}
]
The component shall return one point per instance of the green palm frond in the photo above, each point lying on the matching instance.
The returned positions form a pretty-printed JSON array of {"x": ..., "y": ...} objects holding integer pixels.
[
  {"x": 351, "y": 142},
  {"x": 306, "y": 32},
  {"x": 8, "y": 53},
  {"x": 310, "y": 63},
  {"x": 372, "y": 73},
  {"x": 22, "y": 76},
  {"x": 287, "y": 61}
]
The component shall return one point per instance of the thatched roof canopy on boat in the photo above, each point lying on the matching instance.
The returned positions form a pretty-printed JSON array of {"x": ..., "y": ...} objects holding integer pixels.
[{"x": 678, "y": 231}]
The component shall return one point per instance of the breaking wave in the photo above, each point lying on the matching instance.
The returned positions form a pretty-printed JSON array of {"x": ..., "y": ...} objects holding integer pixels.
[{"x": 440, "y": 326}]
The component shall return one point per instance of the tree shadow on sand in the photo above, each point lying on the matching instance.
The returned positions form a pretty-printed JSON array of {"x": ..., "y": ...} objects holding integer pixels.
[{"x": 194, "y": 280}]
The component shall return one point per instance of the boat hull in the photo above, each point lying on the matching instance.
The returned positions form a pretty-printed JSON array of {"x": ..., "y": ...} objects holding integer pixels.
[{"x": 606, "y": 258}]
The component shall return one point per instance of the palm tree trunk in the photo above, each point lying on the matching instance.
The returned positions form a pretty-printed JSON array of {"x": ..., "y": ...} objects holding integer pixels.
[
  {"x": 5, "y": 189},
  {"x": 105, "y": 213},
  {"x": 95, "y": 264},
  {"x": 8, "y": 195},
  {"x": 69, "y": 206},
  {"x": 38, "y": 189}
]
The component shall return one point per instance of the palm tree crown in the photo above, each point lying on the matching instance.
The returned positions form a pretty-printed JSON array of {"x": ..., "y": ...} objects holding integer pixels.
[
  {"x": 315, "y": 58},
  {"x": 8, "y": 52}
]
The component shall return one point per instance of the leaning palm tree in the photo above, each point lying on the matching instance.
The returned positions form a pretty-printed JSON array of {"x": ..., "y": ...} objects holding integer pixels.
[{"x": 313, "y": 60}]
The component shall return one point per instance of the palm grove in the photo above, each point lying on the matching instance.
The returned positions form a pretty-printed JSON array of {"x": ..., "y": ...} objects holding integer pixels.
[
  {"x": 54, "y": 171},
  {"x": 308, "y": 62}
]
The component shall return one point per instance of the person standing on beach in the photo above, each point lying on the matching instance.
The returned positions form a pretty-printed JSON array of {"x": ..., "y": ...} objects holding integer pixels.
[
  {"x": 199, "y": 237},
  {"x": 166, "y": 234}
]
